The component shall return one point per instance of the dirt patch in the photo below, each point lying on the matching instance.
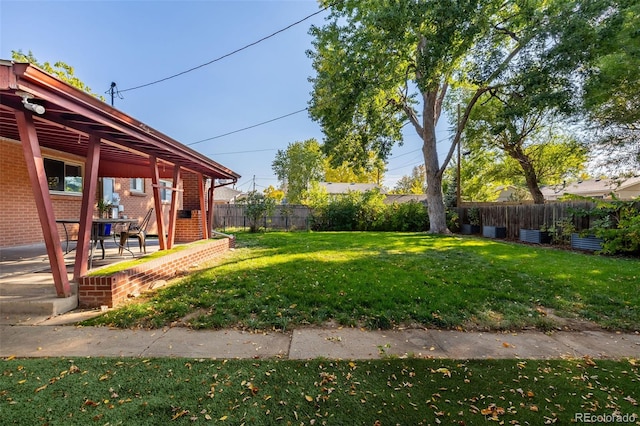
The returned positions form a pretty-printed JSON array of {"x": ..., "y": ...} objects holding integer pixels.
[
  {"x": 570, "y": 324},
  {"x": 186, "y": 320},
  {"x": 547, "y": 320}
]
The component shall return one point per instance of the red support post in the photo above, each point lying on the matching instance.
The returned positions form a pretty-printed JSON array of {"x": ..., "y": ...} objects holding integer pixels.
[
  {"x": 203, "y": 207},
  {"x": 155, "y": 180},
  {"x": 210, "y": 207},
  {"x": 90, "y": 187},
  {"x": 173, "y": 213},
  {"x": 40, "y": 187}
]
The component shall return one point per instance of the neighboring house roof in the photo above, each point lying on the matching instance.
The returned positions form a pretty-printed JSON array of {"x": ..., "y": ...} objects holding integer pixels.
[
  {"x": 405, "y": 198},
  {"x": 337, "y": 188},
  {"x": 225, "y": 194},
  {"x": 509, "y": 193},
  {"x": 600, "y": 188}
]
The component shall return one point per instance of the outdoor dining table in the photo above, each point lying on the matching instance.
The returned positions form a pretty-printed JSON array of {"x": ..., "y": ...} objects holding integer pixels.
[{"x": 98, "y": 232}]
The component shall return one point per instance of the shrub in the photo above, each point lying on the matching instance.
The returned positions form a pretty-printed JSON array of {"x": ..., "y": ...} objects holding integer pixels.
[
  {"x": 617, "y": 223},
  {"x": 257, "y": 206},
  {"x": 367, "y": 212},
  {"x": 406, "y": 217}
]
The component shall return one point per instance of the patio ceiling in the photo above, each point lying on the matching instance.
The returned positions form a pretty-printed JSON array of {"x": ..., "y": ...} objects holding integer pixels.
[{"x": 71, "y": 115}]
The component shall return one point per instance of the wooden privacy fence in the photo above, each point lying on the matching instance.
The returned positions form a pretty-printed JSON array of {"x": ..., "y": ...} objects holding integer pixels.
[
  {"x": 526, "y": 216},
  {"x": 289, "y": 217}
]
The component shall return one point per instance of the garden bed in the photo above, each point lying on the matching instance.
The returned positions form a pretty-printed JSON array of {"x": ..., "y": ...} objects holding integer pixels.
[{"x": 535, "y": 236}]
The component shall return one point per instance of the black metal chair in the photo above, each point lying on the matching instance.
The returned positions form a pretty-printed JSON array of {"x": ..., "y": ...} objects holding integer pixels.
[
  {"x": 101, "y": 232},
  {"x": 139, "y": 231}
]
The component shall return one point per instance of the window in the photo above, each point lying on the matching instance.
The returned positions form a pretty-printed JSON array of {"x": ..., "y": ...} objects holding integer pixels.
[
  {"x": 62, "y": 176},
  {"x": 165, "y": 191},
  {"x": 137, "y": 185}
]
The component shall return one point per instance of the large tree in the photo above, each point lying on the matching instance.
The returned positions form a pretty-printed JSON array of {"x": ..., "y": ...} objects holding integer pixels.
[
  {"x": 297, "y": 166},
  {"x": 535, "y": 150},
  {"x": 372, "y": 172},
  {"x": 304, "y": 163},
  {"x": 381, "y": 63},
  {"x": 612, "y": 86}
]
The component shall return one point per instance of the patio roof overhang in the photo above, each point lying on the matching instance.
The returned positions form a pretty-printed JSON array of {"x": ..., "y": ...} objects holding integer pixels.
[
  {"x": 113, "y": 145},
  {"x": 72, "y": 115}
]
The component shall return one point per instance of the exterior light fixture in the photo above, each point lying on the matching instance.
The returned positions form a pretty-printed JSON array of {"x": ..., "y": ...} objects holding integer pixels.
[{"x": 38, "y": 109}]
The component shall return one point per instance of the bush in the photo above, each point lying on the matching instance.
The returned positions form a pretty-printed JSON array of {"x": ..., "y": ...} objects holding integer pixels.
[
  {"x": 367, "y": 212},
  {"x": 405, "y": 217},
  {"x": 257, "y": 206},
  {"x": 617, "y": 223}
]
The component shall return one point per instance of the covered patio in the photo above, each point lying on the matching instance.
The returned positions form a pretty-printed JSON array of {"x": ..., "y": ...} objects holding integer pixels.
[
  {"x": 42, "y": 112},
  {"x": 27, "y": 290}
]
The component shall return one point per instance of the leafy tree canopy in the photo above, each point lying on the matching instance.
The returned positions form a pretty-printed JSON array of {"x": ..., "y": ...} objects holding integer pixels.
[
  {"x": 59, "y": 69},
  {"x": 379, "y": 64},
  {"x": 412, "y": 184},
  {"x": 297, "y": 166}
]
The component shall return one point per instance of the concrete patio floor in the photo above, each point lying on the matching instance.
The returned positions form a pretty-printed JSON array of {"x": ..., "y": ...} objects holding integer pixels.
[{"x": 27, "y": 291}]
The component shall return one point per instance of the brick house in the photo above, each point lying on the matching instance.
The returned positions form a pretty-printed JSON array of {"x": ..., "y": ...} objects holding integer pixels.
[{"x": 61, "y": 149}]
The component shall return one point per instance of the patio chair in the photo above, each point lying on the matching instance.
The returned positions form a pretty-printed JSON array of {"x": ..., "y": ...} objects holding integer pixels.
[{"x": 139, "y": 231}]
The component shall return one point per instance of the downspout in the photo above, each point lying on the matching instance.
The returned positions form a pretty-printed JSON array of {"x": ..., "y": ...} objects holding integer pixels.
[{"x": 210, "y": 203}]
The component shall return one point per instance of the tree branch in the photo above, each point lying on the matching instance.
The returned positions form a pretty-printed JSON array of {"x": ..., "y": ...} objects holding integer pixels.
[
  {"x": 507, "y": 32},
  {"x": 411, "y": 114},
  {"x": 461, "y": 124},
  {"x": 472, "y": 102},
  {"x": 440, "y": 100}
]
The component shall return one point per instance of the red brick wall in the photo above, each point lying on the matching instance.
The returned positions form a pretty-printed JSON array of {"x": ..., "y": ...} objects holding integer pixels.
[
  {"x": 19, "y": 222},
  {"x": 136, "y": 204},
  {"x": 189, "y": 229},
  {"x": 113, "y": 290},
  {"x": 191, "y": 192}
]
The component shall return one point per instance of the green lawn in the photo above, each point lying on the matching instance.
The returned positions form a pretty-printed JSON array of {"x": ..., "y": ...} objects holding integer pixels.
[
  {"x": 280, "y": 280},
  {"x": 113, "y": 391}
]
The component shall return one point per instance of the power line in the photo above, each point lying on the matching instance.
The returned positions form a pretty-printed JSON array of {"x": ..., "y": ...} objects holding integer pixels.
[
  {"x": 228, "y": 54},
  {"x": 244, "y": 152},
  {"x": 248, "y": 127},
  {"x": 406, "y": 153}
]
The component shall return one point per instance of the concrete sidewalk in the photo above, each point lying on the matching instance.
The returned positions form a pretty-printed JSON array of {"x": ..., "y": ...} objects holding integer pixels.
[{"x": 52, "y": 339}]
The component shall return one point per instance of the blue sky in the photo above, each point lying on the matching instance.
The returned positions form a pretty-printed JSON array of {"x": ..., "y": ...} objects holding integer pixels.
[{"x": 134, "y": 43}]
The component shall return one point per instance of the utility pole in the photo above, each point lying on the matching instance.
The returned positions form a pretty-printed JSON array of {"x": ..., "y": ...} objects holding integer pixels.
[
  {"x": 458, "y": 192},
  {"x": 112, "y": 91},
  {"x": 254, "y": 183}
]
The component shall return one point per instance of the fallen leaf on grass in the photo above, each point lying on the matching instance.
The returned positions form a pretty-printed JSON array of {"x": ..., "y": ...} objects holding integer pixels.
[
  {"x": 492, "y": 410},
  {"x": 179, "y": 414},
  {"x": 589, "y": 361},
  {"x": 41, "y": 388},
  {"x": 444, "y": 371}
]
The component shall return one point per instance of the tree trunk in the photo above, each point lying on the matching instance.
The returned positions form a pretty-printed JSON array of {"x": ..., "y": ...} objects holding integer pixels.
[
  {"x": 435, "y": 199},
  {"x": 529, "y": 173}
]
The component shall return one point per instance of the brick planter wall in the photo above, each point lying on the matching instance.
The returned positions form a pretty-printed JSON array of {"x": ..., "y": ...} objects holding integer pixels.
[{"x": 113, "y": 290}]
